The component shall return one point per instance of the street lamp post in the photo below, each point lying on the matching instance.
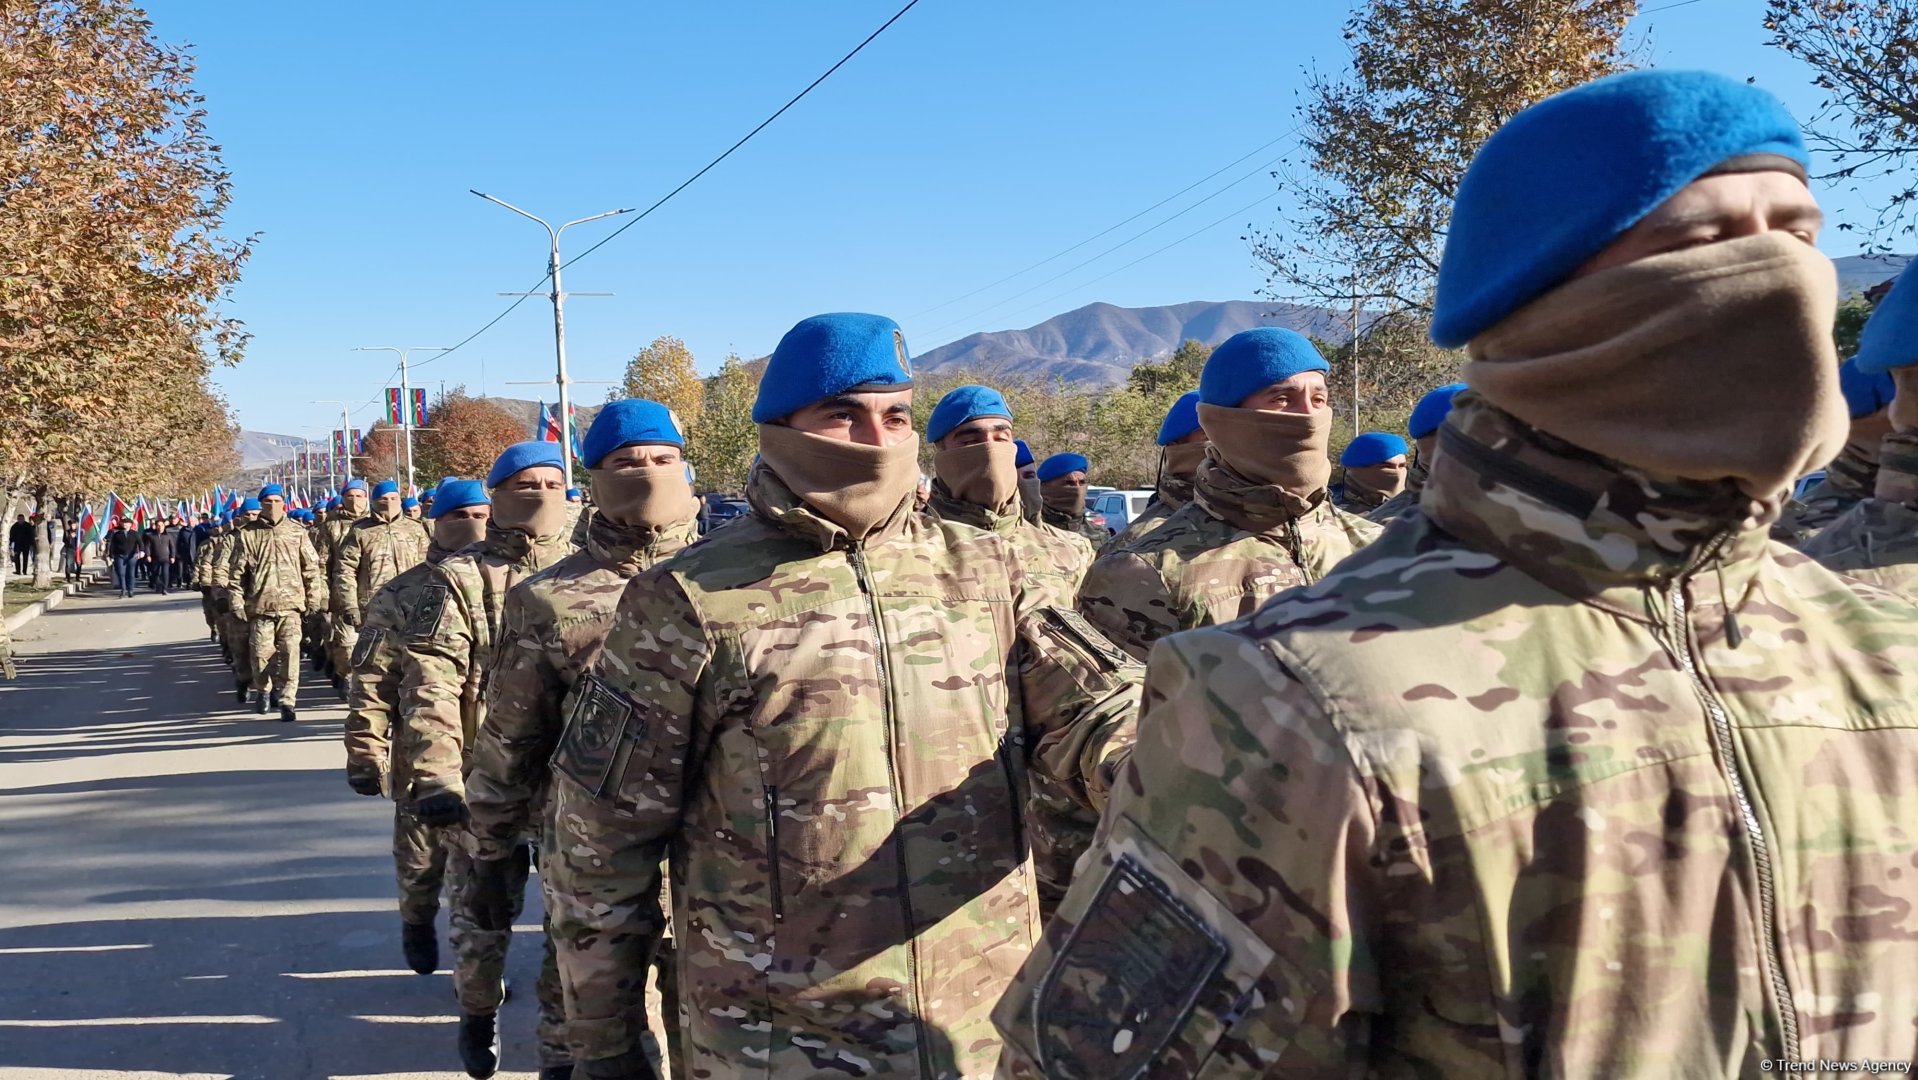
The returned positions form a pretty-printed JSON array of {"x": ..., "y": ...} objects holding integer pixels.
[
  {"x": 346, "y": 434},
  {"x": 558, "y": 296},
  {"x": 406, "y": 397}
]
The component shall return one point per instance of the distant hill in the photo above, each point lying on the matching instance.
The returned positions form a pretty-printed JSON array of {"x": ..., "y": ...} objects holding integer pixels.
[
  {"x": 258, "y": 449},
  {"x": 1100, "y": 343},
  {"x": 1856, "y": 273}
]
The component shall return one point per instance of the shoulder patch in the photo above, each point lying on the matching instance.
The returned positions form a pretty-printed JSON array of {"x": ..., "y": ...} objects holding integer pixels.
[
  {"x": 369, "y": 640},
  {"x": 425, "y": 617},
  {"x": 595, "y": 726},
  {"x": 1126, "y": 979}
]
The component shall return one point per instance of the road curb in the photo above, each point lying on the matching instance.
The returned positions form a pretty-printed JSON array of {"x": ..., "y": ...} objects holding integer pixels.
[{"x": 45, "y": 604}]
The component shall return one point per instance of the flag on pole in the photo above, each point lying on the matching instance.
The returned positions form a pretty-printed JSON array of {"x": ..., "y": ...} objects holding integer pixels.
[
  {"x": 419, "y": 407},
  {"x": 139, "y": 512},
  {"x": 393, "y": 405},
  {"x": 546, "y": 428},
  {"x": 89, "y": 530},
  {"x": 114, "y": 507}
]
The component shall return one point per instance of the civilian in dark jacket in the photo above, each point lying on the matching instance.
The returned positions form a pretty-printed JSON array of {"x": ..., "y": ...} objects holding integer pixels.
[
  {"x": 186, "y": 549},
  {"x": 20, "y": 543},
  {"x": 123, "y": 548},
  {"x": 158, "y": 549}
]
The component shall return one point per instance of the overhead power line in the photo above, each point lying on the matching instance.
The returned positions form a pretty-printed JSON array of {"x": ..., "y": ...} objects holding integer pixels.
[{"x": 688, "y": 182}]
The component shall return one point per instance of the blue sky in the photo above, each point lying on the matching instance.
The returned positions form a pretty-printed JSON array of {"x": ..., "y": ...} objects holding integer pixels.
[{"x": 973, "y": 139}]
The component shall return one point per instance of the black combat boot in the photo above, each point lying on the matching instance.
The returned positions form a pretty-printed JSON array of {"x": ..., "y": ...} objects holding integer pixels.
[
  {"x": 259, "y": 702},
  {"x": 479, "y": 1044},
  {"x": 239, "y": 690},
  {"x": 287, "y": 715},
  {"x": 273, "y": 700},
  {"x": 421, "y": 944}
]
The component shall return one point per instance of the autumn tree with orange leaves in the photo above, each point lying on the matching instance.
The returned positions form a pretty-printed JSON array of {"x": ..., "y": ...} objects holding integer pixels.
[
  {"x": 465, "y": 435},
  {"x": 112, "y": 260}
]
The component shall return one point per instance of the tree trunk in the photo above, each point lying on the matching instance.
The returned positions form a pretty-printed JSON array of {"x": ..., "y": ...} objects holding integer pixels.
[
  {"x": 43, "y": 542},
  {"x": 12, "y": 495}
]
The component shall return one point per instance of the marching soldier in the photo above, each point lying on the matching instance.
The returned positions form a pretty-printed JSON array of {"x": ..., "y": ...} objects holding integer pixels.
[
  {"x": 374, "y": 762},
  {"x": 278, "y": 581},
  {"x": 1423, "y": 427},
  {"x": 1574, "y": 772},
  {"x": 336, "y": 644},
  {"x": 1182, "y": 444},
  {"x": 554, "y": 625},
  {"x": 449, "y": 644},
  {"x": 235, "y": 637},
  {"x": 1259, "y": 521},
  {"x": 822, "y": 712},
  {"x": 375, "y": 549}
]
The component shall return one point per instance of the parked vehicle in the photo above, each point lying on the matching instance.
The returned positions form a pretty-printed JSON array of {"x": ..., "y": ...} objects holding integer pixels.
[{"x": 1114, "y": 508}]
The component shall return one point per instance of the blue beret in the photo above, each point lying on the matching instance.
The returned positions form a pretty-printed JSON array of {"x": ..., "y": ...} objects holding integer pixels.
[
  {"x": 1252, "y": 360},
  {"x": 250, "y": 504},
  {"x": 626, "y": 423},
  {"x": 831, "y": 354},
  {"x": 270, "y": 490},
  {"x": 1866, "y": 392},
  {"x": 355, "y": 484},
  {"x": 409, "y": 503},
  {"x": 1060, "y": 464},
  {"x": 1890, "y": 337},
  {"x": 428, "y": 493},
  {"x": 1372, "y": 448},
  {"x": 573, "y": 493},
  {"x": 1431, "y": 410},
  {"x": 385, "y": 487},
  {"x": 522, "y": 455},
  {"x": 1181, "y": 419},
  {"x": 458, "y": 495},
  {"x": 1563, "y": 178},
  {"x": 1024, "y": 457},
  {"x": 963, "y": 404}
]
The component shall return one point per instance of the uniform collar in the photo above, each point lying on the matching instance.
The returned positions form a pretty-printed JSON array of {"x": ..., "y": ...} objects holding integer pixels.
[
  {"x": 1243, "y": 504},
  {"x": 773, "y": 501},
  {"x": 1585, "y": 526},
  {"x": 631, "y": 547},
  {"x": 950, "y": 507}
]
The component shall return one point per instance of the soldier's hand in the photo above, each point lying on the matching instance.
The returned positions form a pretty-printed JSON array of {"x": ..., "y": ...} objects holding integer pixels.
[
  {"x": 631, "y": 1065},
  {"x": 363, "y": 782},
  {"x": 441, "y": 810},
  {"x": 492, "y": 897}
]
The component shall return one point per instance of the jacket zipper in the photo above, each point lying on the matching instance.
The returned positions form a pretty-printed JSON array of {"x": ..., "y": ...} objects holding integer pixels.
[
  {"x": 1012, "y": 756},
  {"x": 772, "y": 853},
  {"x": 855, "y": 555},
  {"x": 1680, "y": 645}
]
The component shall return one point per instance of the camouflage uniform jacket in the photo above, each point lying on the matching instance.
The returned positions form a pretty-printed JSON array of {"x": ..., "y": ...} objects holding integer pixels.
[
  {"x": 1076, "y": 524},
  {"x": 1512, "y": 792},
  {"x": 328, "y": 538},
  {"x": 1877, "y": 539},
  {"x": 215, "y": 555},
  {"x": 273, "y": 570},
  {"x": 1405, "y": 500},
  {"x": 830, "y": 741},
  {"x": 1050, "y": 556},
  {"x": 1226, "y": 552},
  {"x": 1173, "y": 493},
  {"x": 1848, "y": 481},
  {"x": 450, "y": 635},
  {"x": 371, "y": 552},
  {"x": 373, "y": 686},
  {"x": 550, "y": 633}
]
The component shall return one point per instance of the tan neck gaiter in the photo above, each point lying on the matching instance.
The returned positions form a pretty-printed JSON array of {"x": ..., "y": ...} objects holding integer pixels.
[
  {"x": 854, "y": 486},
  {"x": 645, "y": 496},
  {"x": 1285, "y": 450},
  {"x": 1711, "y": 363},
  {"x": 272, "y": 515},
  {"x": 1030, "y": 498},
  {"x": 1181, "y": 461},
  {"x": 1063, "y": 498},
  {"x": 1903, "y": 411},
  {"x": 456, "y": 533},
  {"x": 535, "y": 513},
  {"x": 982, "y": 474}
]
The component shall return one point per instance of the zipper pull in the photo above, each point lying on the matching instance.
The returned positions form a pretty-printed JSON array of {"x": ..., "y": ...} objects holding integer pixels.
[{"x": 1733, "y": 635}]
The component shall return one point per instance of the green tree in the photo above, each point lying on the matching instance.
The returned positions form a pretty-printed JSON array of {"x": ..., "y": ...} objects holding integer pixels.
[
  {"x": 1864, "y": 56},
  {"x": 724, "y": 440},
  {"x": 1175, "y": 375},
  {"x": 1387, "y": 143},
  {"x": 665, "y": 372},
  {"x": 1852, "y": 313}
]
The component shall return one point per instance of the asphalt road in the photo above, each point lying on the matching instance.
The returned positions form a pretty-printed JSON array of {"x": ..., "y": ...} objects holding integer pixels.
[{"x": 188, "y": 890}]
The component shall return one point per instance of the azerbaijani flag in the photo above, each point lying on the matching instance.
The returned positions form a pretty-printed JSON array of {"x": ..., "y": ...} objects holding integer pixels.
[{"x": 89, "y": 530}]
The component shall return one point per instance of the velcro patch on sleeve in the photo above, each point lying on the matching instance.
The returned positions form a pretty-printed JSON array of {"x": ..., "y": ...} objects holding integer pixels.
[
  {"x": 369, "y": 641},
  {"x": 424, "y": 621},
  {"x": 599, "y": 721}
]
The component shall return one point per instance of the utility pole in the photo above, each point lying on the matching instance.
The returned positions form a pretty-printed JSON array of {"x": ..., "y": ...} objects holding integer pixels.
[
  {"x": 346, "y": 441},
  {"x": 558, "y": 296},
  {"x": 406, "y": 397}
]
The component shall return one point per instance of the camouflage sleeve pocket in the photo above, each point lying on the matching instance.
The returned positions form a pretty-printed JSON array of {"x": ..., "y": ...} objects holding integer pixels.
[
  {"x": 1151, "y": 976},
  {"x": 424, "y": 619},
  {"x": 602, "y": 725},
  {"x": 1071, "y": 629}
]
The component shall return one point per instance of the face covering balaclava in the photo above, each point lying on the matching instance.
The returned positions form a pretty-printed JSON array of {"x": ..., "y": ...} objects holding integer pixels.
[
  {"x": 386, "y": 507},
  {"x": 1283, "y": 450},
  {"x": 1063, "y": 498},
  {"x": 1711, "y": 363},
  {"x": 538, "y": 513},
  {"x": 354, "y": 503},
  {"x": 1030, "y": 498},
  {"x": 1181, "y": 460},
  {"x": 854, "y": 486},
  {"x": 982, "y": 474},
  {"x": 644, "y": 496},
  {"x": 454, "y": 533},
  {"x": 272, "y": 512}
]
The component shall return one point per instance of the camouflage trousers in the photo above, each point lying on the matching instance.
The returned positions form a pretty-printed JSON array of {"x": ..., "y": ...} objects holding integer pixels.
[
  {"x": 419, "y": 862},
  {"x": 275, "y": 643},
  {"x": 6, "y": 655},
  {"x": 239, "y": 648},
  {"x": 339, "y": 645},
  {"x": 479, "y": 956},
  {"x": 1059, "y": 831},
  {"x": 206, "y": 609}
]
